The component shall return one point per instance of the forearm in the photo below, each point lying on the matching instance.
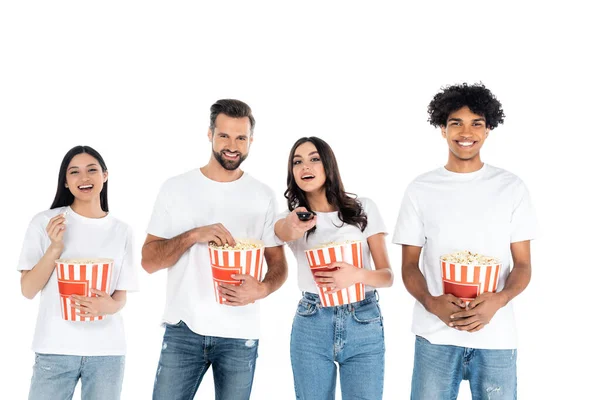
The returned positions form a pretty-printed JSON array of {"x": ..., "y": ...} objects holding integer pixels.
[
  {"x": 120, "y": 298},
  {"x": 383, "y": 277},
  {"x": 517, "y": 281},
  {"x": 415, "y": 284},
  {"x": 164, "y": 253},
  {"x": 276, "y": 275},
  {"x": 34, "y": 280}
]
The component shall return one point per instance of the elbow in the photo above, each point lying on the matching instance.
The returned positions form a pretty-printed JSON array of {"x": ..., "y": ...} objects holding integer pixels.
[
  {"x": 391, "y": 279},
  {"x": 28, "y": 293},
  {"x": 148, "y": 265}
]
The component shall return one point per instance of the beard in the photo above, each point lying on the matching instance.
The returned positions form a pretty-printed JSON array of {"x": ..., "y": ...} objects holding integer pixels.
[{"x": 229, "y": 165}]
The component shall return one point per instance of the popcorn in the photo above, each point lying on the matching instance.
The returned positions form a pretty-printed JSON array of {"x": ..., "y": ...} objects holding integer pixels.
[
  {"x": 332, "y": 244},
  {"x": 76, "y": 261},
  {"x": 239, "y": 245},
  {"x": 466, "y": 257}
]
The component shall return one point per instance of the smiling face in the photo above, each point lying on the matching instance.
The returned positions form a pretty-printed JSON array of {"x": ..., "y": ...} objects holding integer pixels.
[
  {"x": 309, "y": 173},
  {"x": 465, "y": 132},
  {"x": 85, "y": 177},
  {"x": 231, "y": 140}
]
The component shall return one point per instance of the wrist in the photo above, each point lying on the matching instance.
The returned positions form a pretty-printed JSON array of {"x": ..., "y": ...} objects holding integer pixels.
[
  {"x": 55, "y": 250},
  {"x": 427, "y": 300},
  {"x": 264, "y": 290}
]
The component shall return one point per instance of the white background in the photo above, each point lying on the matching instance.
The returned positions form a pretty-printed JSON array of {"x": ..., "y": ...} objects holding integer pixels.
[{"x": 136, "y": 80}]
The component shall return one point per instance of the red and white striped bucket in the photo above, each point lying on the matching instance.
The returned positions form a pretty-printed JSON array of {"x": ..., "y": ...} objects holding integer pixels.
[
  {"x": 78, "y": 277},
  {"x": 225, "y": 263},
  {"x": 320, "y": 259},
  {"x": 469, "y": 281}
]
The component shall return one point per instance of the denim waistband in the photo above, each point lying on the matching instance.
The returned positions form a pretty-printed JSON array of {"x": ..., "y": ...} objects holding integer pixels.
[{"x": 313, "y": 298}]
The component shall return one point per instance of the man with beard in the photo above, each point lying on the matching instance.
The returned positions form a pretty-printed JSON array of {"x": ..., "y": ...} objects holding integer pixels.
[
  {"x": 215, "y": 203},
  {"x": 465, "y": 205}
]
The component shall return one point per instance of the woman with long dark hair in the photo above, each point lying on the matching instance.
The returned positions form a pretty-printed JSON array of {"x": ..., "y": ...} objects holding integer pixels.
[
  {"x": 91, "y": 346},
  {"x": 350, "y": 335}
]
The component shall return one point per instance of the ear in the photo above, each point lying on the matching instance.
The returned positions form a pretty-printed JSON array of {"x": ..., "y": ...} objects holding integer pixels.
[
  {"x": 487, "y": 131},
  {"x": 251, "y": 138},
  {"x": 210, "y": 135},
  {"x": 105, "y": 174},
  {"x": 67, "y": 185},
  {"x": 443, "y": 129}
]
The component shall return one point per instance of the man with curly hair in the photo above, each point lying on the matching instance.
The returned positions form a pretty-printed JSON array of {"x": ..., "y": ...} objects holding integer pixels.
[{"x": 465, "y": 205}]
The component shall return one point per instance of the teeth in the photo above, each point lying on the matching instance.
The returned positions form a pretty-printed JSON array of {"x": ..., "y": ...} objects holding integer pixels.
[
  {"x": 465, "y": 143},
  {"x": 308, "y": 176},
  {"x": 86, "y": 187}
]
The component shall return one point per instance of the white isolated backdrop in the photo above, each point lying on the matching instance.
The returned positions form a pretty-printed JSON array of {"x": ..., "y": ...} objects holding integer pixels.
[{"x": 135, "y": 80}]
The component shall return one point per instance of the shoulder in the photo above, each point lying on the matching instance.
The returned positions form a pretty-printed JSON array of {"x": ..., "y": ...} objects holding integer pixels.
[{"x": 258, "y": 187}]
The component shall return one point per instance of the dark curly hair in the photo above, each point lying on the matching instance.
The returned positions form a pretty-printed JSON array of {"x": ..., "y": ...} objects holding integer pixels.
[
  {"x": 477, "y": 97},
  {"x": 350, "y": 211}
]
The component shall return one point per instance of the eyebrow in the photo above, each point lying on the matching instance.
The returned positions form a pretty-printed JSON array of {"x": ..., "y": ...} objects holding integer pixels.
[
  {"x": 310, "y": 154},
  {"x": 460, "y": 119},
  {"x": 89, "y": 165}
]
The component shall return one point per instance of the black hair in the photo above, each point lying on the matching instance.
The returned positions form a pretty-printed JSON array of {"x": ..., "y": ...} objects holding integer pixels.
[
  {"x": 477, "y": 97},
  {"x": 63, "y": 196},
  {"x": 349, "y": 209}
]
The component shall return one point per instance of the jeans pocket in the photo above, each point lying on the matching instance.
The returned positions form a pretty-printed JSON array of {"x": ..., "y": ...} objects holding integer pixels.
[
  {"x": 306, "y": 309},
  {"x": 367, "y": 313}
]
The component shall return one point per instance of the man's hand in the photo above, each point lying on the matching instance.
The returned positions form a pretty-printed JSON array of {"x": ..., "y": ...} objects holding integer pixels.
[
  {"x": 444, "y": 307},
  {"x": 248, "y": 292},
  {"x": 214, "y": 233},
  {"x": 479, "y": 312}
]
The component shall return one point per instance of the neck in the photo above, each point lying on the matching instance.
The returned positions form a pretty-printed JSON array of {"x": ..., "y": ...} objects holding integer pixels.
[
  {"x": 215, "y": 171},
  {"x": 455, "y": 164},
  {"x": 88, "y": 209},
  {"x": 318, "y": 201}
]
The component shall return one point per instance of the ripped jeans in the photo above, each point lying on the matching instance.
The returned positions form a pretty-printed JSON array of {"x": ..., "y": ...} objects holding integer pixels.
[
  {"x": 439, "y": 369},
  {"x": 186, "y": 356}
]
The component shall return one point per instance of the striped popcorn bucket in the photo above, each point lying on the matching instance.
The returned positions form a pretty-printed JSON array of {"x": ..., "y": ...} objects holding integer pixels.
[
  {"x": 78, "y": 277},
  {"x": 225, "y": 263},
  {"x": 469, "y": 281},
  {"x": 320, "y": 260}
]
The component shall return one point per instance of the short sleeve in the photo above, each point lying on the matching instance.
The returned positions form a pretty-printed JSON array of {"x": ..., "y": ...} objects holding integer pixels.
[
  {"x": 409, "y": 226},
  {"x": 375, "y": 222},
  {"x": 34, "y": 245},
  {"x": 161, "y": 222},
  {"x": 268, "y": 236},
  {"x": 523, "y": 223},
  {"x": 128, "y": 276}
]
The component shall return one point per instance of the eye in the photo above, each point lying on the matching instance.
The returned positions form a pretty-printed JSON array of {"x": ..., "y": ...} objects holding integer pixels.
[
  {"x": 93, "y": 170},
  {"x": 242, "y": 138},
  {"x": 73, "y": 172},
  {"x": 315, "y": 159},
  {"x": 296, "y": 162}
]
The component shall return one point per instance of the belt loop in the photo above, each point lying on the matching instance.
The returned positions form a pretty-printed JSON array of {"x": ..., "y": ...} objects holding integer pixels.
[{"x": 376, "y": 295}]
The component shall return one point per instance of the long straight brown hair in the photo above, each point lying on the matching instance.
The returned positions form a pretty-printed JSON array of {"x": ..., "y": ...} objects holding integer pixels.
[{"x": 349, "y": 209}]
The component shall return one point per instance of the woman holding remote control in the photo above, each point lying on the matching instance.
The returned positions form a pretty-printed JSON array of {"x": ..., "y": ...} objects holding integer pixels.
[
  {"x": 78, "y": 226},
  {"x": 351, "y": 334}
]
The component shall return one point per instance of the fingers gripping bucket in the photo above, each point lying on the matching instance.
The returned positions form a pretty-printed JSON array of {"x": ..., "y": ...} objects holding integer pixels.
[
  {"x": 469, "y": 281},
  {"x": 226, "y": 262},
  {"x": 320, "y": 260},
  {"x": 79, "y": 277}
]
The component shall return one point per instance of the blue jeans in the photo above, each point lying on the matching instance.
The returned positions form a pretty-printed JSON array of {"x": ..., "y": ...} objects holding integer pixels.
[
  {"x": 186, "y": 356},
  {"x": 439, "y": 369},
  {"x": 55, "y": 377},
  {"x": 351, "y": 335}
]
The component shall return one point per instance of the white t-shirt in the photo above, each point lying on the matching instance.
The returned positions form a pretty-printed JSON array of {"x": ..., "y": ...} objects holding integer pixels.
[
  {"x": 245, "y": 207},
  {"x": 331, "y": 229},
  {"x": 83, "y": 238},
  {"x": 482, "y": 211}
]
